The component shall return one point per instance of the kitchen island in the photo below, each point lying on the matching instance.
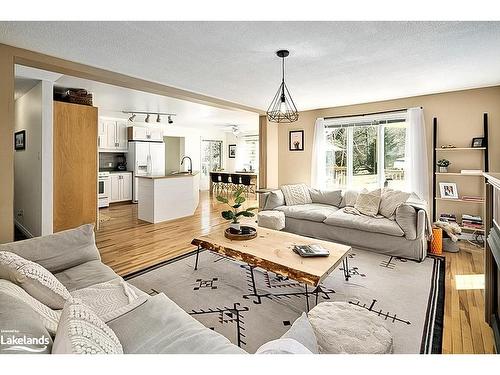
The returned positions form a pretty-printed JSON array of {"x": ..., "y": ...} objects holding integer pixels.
[{"x": 162, "y": 198}]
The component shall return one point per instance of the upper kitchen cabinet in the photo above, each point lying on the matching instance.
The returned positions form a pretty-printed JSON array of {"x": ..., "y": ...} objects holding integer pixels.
[
  {"x": 112, "y": 135},
  {"x": 141, "y": 133}
]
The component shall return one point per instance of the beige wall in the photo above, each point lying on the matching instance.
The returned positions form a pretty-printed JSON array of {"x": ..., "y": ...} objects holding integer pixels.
[{"x": 460, "y": 118}]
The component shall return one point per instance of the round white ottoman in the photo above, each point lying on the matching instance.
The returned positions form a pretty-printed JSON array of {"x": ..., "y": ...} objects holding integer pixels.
[
  {"x": 271, "y": 219},
  {"x": 341, "y": 327}
]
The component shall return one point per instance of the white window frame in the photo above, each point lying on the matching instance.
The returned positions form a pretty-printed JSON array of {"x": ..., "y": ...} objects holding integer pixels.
[{"x": 350, "y": 123}]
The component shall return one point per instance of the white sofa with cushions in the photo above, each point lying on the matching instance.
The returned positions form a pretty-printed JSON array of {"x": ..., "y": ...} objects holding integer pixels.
[{"x": 385, "y": 221}]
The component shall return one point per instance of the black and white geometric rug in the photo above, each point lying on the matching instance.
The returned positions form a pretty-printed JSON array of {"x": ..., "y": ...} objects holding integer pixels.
[{"x": 407, "y": 296}]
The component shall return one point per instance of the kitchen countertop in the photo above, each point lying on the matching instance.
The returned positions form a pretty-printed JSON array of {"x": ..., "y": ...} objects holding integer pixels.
[
  {"x": 170, "y": 176},
  {"x": 252, "y": 173},
  {"x": 114, "y": 171}
]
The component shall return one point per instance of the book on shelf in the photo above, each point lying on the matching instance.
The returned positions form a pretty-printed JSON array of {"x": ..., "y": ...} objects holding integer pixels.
[
  {"x": 471, "y": 171},
  {"x": 472, "y": 221},
  {"x": 472, "y": 198},
  {"x": 448, "y": 218}
]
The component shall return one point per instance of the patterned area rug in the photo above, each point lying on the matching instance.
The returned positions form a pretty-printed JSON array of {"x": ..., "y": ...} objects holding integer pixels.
[{"x": 407, "y": 296}]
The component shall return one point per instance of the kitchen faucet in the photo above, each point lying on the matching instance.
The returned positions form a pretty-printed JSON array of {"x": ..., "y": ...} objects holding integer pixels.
[{"x": 190, "y": 169}]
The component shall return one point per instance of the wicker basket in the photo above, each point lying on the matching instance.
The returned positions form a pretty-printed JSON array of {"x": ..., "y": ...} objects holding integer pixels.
[{"x": 78, "y": 97}]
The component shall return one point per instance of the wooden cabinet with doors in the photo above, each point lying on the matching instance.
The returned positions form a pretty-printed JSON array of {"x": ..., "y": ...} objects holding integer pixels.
[
  {"x": 74, "y": 165},
  {"x": 121, "y": 187},
  {"x": 112, "y": 135}
]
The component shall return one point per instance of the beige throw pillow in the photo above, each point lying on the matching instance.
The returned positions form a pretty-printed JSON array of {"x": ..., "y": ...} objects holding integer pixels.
[
  {"x": 368, "y": 203},
  {"x": 274, "y": 199},
  {"x": 391, "y": 200},
  {"x": 296, "y": 194},
  {"x": 331, "y": 197},
  {"x": 81, "y": 331},
  {"x": 349, "y": 198},
  {"x": 34, "y": 279}
]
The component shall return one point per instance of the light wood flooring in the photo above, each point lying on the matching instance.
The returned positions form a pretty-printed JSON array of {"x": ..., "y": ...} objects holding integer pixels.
[{"x": 128, "y": 245}]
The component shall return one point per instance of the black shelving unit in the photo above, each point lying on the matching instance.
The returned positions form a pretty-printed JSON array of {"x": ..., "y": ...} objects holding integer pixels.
[{"x": 435, "y": 149}]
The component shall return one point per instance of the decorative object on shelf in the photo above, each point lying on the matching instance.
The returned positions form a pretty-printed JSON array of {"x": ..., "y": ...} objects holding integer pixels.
[
  {"x": 448, "y": 146},
  {"x": 234, "y": 214},
  {"x": 20, "y": 140},
  {"x": 448, "y": 190},
  {"x": 478, "y": 142},
  {"x": 75, "y": 96},
  {"x": 296, "y": 140},
  {"x": 443, "y": 165},
  {"x": 282, "y": 107},
  {"x": 232, "y": 151}
]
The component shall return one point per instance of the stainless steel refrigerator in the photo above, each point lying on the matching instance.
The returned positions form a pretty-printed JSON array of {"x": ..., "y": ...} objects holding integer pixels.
[{"x": 145, "y": 158}]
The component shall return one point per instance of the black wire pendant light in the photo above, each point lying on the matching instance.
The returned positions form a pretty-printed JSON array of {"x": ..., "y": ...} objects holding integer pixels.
[{"x": 282, "y": 109}]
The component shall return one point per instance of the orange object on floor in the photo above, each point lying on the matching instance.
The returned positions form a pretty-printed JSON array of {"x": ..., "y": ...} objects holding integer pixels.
[{"x": 437, "y": 241}]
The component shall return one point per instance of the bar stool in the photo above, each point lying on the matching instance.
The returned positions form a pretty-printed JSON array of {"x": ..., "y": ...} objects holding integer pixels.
[
  {"x": 235, "y": 180},
  {"x": 246, "y": 181},
  {"x": 225, "y": 184},
  {"x": 216, "y": 184}
]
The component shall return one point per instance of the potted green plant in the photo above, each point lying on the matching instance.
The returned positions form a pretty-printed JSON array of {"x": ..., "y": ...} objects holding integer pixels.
[
  {"x": 443, "y": 165},
  {"x": 234, "y": 214}
]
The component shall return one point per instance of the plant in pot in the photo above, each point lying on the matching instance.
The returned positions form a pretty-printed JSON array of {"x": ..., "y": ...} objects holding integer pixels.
[
  {"x": 234, "y": 214},
  {"x": 443, "y": 165}
]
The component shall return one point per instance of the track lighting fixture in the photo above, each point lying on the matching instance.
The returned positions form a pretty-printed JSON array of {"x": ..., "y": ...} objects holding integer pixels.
[{"x": 149, "y": 114}]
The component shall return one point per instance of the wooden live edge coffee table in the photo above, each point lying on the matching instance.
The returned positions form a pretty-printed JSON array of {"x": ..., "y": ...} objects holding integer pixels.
[{"x": 272, "y": 251}]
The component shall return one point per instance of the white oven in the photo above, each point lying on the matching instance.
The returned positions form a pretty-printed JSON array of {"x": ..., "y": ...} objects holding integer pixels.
[{"x": 103, "y": 189}]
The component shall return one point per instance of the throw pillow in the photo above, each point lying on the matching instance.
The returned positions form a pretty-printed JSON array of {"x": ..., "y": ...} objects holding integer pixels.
[
  {"x": 349, "y": 198},
  {"x": 368, "y": 203},
  {"x": 34, "y": 279},
  {"x": 274, "y": 199},
  {"x": 48, "y": 317},
  {"x": 283, "y": 346},
  {"x": 331, "y": 197},
  {"x": 390, "y": 200},
  {"x": 81, "y": 331},
  {"x": 303, "y": 332},
  {"x": 296, "y": 194}
]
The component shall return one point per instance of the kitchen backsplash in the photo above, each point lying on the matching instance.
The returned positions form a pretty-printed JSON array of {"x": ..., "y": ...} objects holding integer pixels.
[{"x": 110, "y": 160}]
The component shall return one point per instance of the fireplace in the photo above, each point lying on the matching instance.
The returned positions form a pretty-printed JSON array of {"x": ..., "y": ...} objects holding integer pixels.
[{"x": 492, "y": 255}]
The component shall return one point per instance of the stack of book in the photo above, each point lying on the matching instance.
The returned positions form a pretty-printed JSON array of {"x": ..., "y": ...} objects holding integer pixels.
[
  {"x": 472, "y": 222},
  {"x": 448, "y": 218}
]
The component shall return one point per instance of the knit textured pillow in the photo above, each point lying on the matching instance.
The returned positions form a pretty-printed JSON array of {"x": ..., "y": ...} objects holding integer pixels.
[
  {"x": 391, "y": 200},
  {"x": 368, "y": 203},
  {"x": 34, "y": 279},
  {"x": 296, "y": 194},
  {"x": 81, "y": 331},
  {"x": 49, "y": 318}
]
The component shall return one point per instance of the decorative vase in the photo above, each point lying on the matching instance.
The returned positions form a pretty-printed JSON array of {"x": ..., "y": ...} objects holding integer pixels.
[
  {"x": 443, "y": 169},
  {"x": 235, "y": 226}
]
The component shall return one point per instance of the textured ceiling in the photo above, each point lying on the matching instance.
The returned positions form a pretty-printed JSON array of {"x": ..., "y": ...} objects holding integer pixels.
[{"x": 331, "y": 63}]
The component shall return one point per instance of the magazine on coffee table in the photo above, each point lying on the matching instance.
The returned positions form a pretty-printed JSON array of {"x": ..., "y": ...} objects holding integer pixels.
[{"x": 312, "y": 250}]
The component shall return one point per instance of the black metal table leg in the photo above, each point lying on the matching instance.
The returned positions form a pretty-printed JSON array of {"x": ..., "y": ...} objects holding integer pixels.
[
  {"x": 345, "y": 266},
  {"x": 307, "y": 299},
  {"x": 197, "y": 255}
]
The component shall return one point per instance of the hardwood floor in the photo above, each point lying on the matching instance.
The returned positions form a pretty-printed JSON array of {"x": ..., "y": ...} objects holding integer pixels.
[{"x": 128, "y": 244}]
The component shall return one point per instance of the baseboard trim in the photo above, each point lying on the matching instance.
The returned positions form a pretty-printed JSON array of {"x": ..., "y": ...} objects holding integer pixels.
[{"x": 23, "y": 229}]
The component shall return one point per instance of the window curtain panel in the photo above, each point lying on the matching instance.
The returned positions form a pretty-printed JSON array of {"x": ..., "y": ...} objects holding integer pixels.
[
  {"x": 417, "y": 167},
  {"x": 318, "y": 160}
]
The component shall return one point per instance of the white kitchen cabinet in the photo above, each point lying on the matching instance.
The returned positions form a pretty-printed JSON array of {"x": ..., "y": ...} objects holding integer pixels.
[
  {"x": 121, "y": 187},
  {"x": 142, "y": 133},
  {"x": 112, "y": 136}
]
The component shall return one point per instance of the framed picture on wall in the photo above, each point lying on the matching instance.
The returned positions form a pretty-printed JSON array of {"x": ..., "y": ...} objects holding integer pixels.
[
  {"x": 232, "y": 151},
  {"x": 20, "y": 140},
  {"x": 478, "y": 142},
  {"x": 296, "y": 140}
]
